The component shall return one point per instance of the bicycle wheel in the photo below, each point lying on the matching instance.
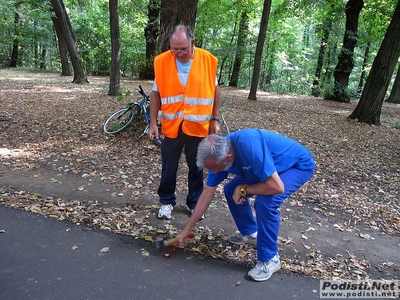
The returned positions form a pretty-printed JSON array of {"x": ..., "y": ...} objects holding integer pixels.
[
  {"x": 224, "y": 126},
  {"x": 120, "y": 120}
]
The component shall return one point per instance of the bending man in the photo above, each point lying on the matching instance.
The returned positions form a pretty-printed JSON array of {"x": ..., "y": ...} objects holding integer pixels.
[{"x": 267, "y": 165}]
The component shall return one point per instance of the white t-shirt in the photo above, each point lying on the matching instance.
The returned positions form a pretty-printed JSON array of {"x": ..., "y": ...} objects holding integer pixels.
[{"x": 183, "y": 73}]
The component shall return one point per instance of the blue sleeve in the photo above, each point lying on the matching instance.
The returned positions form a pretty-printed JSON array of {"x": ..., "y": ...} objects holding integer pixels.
[
  {"x": 155, "y": 87},
  {"x": 215, "y": 179}
]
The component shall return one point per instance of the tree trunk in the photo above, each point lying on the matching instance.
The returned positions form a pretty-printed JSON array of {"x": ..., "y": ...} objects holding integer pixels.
[
  {"x": 223, "y": 60},
  {"x": 259, "y": 50},
  {"x": 115, "y": 75},
  {"x": 240, "y": 48},
  {"x": 151, "y": 33},
  {"x": 14, "y": 53},
  {"x": 175, "y": 12},
  {"x": 395, "y": 92},
  {"x": 345, "y": 60},
  {"x": 35, "y": 43},
  {"x": 62, "y": 47},
  {"x": 66, "y": 30},
  {"x": 329, "y": 61},
  {"x": 364, "y": 66},
  {"x": 369, "y": 107},
  {"x": 316, "y": 88},
  {"x": 43, "y": 59}
]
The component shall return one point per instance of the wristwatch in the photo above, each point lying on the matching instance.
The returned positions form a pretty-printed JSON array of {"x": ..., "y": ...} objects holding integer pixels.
[{"x": 243, "y": 191}]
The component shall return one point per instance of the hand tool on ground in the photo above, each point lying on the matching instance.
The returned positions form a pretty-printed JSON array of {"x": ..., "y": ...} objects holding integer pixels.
[{"x": 161, "y": 244}]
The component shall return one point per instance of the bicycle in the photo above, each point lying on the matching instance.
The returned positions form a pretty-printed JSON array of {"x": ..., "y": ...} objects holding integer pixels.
[
  {"x": 224, "y": 129},
  {"x": 122, "y": 118}
]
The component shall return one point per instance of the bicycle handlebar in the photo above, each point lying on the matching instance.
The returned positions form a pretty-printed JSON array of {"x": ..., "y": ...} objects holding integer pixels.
[{"x": 141, "y": 91}]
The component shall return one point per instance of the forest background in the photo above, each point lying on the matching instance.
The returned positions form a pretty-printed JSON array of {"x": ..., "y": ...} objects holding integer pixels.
[{"x": 319, "y": 48}]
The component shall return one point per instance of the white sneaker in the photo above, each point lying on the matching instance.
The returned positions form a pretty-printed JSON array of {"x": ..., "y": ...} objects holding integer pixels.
[
  {"x": 264, "y": 269},
  {"x": 191, "y": 211},
  {"x": 165, "y": 211}
]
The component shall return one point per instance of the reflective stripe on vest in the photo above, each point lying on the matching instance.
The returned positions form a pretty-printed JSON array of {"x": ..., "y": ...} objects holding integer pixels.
[
  {"x": 171, "y": 117},
  {"x": 199, "y": 101},
  {"x": 172, "y": 100}
]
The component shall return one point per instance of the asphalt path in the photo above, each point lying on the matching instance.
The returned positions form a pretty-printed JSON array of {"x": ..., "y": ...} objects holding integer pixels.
[{"x": 43, "y": 258}]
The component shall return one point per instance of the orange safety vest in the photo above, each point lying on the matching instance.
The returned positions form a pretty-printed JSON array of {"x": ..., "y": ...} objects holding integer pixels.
[{"x": 192, "y": 106}]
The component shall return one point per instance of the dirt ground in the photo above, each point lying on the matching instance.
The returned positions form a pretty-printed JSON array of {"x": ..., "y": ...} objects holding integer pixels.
[{"x": 55, "y": 160}]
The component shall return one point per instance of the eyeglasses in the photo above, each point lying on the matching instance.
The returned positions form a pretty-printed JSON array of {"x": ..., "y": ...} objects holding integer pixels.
[{"x": 180, "y": 50}]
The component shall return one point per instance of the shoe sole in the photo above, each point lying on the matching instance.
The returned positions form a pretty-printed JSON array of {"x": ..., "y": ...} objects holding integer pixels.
[
  {"x": 162, "y": 217},
  {"x": 253, "y": 243},
  {"x": 264, "y": 279}
]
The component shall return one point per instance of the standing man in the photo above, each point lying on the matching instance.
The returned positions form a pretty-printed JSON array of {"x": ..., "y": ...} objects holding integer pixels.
[
  {"x": 186, "y": 92},
  {"x": 267, "y": 165}
]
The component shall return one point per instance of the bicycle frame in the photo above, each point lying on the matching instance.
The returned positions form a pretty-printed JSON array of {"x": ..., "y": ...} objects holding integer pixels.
[{"x": 143, "y": 105}]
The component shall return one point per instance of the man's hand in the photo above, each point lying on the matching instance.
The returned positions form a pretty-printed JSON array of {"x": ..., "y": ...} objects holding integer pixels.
[
  {"x": 215, "y": 128},
  {"x": 153, "y": 131},
  {"x": 183, "y": 236},
  {"x": 239, "y": 200}
]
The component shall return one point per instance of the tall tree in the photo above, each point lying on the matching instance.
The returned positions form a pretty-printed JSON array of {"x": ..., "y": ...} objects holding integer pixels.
[
  {"x": 326, "y": 29},
  {"x": 15, "y": 50},
  {"x": 363, "y": 69},
  {"x": 151, "y": 33},
  {"x": 70, "y": 41},
  {"x": 240, "y": 48},
  {"x": 115, "y": 76},
  {"x": 62, "y": 48},
  {"x": 174, "y": 12},
  {"x": 395, "y": 92},
  {"x": 259, "y": 49},
  {"x": 36, "y": 43},
  {"x": 345, "y": 60},
  {"x": 43, "y": 58},
  {"x": 369, "y": 107}
]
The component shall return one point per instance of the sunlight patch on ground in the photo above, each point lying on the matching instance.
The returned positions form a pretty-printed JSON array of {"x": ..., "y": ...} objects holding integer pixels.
[
  {"x": 341, "y": 112},
  {"x": 262, "y": 95},
  {"x": 60, "y": 90},
  {"x": 94, "y": 149},
  {"x": 5, "y": 152}
]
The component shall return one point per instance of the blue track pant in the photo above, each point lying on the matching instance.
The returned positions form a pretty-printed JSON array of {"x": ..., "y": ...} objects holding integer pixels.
[{"x": 267, "y": 221}]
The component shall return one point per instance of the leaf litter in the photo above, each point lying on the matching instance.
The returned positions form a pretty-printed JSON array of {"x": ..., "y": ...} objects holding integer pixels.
[{"x": 48, "y": 122}]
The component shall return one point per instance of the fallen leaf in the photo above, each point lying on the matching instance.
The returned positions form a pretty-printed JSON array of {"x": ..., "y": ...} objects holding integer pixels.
[
  {"x": 365, "y": 236},
  {"x": 105, "y": 249}
]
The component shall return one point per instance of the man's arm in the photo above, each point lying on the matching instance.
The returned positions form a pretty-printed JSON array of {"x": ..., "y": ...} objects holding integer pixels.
[
  {"x": 215, "y": 128},
  {"x": 202, "y": 204},
  {"x": 273, "y": 185},
  {"x": 155, "y": 106}
]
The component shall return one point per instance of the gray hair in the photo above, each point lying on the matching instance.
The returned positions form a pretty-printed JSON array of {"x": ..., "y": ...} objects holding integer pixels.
[
  {"x": 214, "y": 147},
  {"x": 189, "y": 32}
]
